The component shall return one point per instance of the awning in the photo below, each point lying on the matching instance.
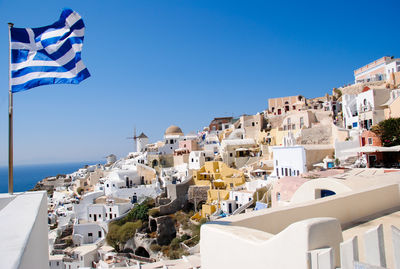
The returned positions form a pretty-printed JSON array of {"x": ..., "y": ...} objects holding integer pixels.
[{"x": 372, "y": 149}]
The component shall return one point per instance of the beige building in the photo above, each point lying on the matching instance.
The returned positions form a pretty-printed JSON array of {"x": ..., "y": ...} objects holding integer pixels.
[
  {"x": 237, "y": 152},
  {"x": 251, "y": 124},
  {"x": 392, "y": 107},
  {"x": 298, "y": 120},
  {"x": 283, "y": 105},
  {"x": 147, "y": 174}
]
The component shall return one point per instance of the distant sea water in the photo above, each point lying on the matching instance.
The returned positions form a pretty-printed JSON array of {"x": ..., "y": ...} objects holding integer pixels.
[{"x": 26, "y": 176}]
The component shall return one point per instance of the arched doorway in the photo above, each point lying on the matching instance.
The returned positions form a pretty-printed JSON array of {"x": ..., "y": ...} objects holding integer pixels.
[
  {"x": 142, "y": 252},
  {"x": 154, "y": 163}
]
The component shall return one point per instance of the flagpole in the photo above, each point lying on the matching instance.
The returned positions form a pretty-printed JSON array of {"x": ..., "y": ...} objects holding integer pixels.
[{"x": 10, "y": 120}]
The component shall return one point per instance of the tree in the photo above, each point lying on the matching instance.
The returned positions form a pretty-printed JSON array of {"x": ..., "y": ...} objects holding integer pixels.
[
  {"x": 388, "y": 131},
  {"x": 128, "y": 230},
  {"x": 113, "y": 236},
  {"x": 139, "y": 212}
]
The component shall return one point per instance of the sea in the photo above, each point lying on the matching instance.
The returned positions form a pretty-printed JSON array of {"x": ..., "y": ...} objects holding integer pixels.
[{"x": 26, "y": 176}]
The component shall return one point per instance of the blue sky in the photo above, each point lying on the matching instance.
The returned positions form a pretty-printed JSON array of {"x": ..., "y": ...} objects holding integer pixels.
[{"x": 157, "y": 63}]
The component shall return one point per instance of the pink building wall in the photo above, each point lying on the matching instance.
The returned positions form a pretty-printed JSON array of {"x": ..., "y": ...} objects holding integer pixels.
[{"x": 191, "y": 145}]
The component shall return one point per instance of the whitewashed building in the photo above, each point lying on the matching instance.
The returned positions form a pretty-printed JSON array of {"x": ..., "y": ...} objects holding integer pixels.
[
  {"x": 289, "y": 161},
  {"x": 82, "y": 256},
  {"x": 87, "y": 233},
  {"x": 172, "y": 136},
  {"x": 108, "y": 211}
]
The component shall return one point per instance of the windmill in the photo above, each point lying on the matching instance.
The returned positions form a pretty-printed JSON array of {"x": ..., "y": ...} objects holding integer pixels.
[{"x": 134, "y": 138}]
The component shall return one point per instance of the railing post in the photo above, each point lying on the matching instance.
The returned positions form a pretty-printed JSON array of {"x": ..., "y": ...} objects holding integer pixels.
[
  {"x": 374, "y": 246},
  {"x": 396, "y": 247},
  {"x": 349, "y": 253}
]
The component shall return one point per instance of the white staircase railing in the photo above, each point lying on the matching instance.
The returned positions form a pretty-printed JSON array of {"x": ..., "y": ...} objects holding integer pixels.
[{"x": 375, "y": 253}]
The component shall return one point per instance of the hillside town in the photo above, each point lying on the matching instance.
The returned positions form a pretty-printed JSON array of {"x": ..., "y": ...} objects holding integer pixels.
[{"x": 148, "y": 209}]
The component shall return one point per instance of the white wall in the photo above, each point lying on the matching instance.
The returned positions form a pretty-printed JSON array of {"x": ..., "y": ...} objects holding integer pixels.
[
  {"x": 241, "y": 197},
  {"x": 84, "y": 230},
  {"x": 141, "y": 192},
  {"x": 196, "y": 160},
  {"x": 24, "y": 231},
  {"x": 289, "y": 161}
]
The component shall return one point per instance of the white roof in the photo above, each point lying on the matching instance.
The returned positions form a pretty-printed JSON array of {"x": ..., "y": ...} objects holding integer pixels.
[
  {"x": 82, "y": 250},
  {"x": 238, "y": 142},
  {"x": 370, "y": 149}
]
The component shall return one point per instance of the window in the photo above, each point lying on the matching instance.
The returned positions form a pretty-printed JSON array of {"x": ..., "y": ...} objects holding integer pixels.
[
  {"x": 231, "y": 185},
  {"x": 171, "y": 141},
  {"x": 99, "y": 233},
  {"x": 90, "y": 234},
  {"x": 276, "y": 162},
  {"x": 58, "y": 263},
  {"x": 90, "y": 215},
  {"x": 278, "y": 196},
  {"x": 115, "y": 215},
  {"x": 236, "y": 198},
  {"x": 253, "y": 124},
  {"x": 192, "y": 160},
  {"x": 110, "y": 209},
  {"x": 369, "y": 140},
  {"x": 230, "y": 154}
]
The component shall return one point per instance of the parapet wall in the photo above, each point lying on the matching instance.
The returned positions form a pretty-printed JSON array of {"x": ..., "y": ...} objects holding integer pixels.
[{"x": 347, "y": 208}]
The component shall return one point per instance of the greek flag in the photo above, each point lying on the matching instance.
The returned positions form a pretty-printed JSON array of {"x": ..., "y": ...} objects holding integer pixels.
[{"x": 49, "y": 54}]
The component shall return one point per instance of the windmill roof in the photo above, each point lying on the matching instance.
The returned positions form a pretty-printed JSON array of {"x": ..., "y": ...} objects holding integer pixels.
[{"x": 142, "y": 135}]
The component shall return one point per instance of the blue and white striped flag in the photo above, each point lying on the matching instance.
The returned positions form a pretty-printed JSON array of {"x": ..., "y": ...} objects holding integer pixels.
[{"x": 49, "y": 54}]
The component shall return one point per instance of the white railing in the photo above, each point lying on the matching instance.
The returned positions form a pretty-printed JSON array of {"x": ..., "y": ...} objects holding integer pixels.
[{"x": 374, "y": 250}]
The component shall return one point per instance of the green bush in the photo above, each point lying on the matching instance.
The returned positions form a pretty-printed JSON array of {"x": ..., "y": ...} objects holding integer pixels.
[
  {"x": 128, "y": 230},
  {"x": 139, "y": 212},
  {"x": 155, "y": 247},
  {"x": 174, "y": 254},
  {"x": 118, "y": 235},
  {"x": 185, "y": 237},
  {"x": 112, "y": 237},
  {"x": 388, "y": 131},
  {"x": 175, "y": 243}
]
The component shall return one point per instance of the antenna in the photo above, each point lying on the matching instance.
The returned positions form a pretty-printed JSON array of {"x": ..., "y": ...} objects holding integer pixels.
[{"x": 134, "y": 137}]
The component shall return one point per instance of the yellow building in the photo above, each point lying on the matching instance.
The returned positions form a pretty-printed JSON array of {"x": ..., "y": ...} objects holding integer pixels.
[{"x": 221, "y": 179}]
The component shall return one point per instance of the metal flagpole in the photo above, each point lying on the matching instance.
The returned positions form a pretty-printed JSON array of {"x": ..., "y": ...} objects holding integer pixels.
[{"x": 10, "y": 120}]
